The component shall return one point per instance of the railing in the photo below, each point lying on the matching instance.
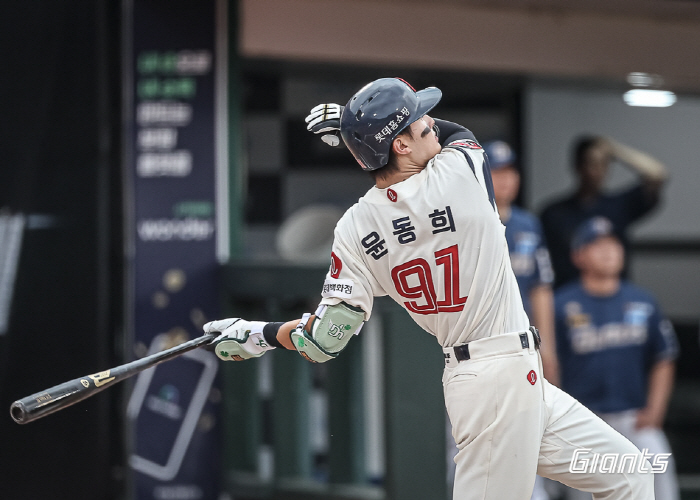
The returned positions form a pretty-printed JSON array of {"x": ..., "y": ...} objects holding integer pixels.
[{"x": 368, "y": 425}]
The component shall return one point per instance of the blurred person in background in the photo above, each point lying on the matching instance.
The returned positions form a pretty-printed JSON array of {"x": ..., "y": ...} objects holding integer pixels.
[
  {"x": 616, "y": 348},
  {"x": 530, "y": 261},
  {"x": 592, "y": 158},
  {"x": 528, "y": 254}
]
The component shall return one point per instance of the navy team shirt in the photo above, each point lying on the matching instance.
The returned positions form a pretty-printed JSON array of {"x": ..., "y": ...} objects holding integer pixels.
[
  {"x": 607, "y": 345},
  {"x": 529, "y": 257},
  {"x": 561, "y": 218}
]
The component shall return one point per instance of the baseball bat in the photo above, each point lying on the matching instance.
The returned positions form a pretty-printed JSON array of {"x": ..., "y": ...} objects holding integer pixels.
[{"x": 64, "y": 395}]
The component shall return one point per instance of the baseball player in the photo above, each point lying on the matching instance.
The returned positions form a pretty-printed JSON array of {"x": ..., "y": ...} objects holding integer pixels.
[
  {"x": 428, "y": 235},
  {"x": 617, "y": 348}
]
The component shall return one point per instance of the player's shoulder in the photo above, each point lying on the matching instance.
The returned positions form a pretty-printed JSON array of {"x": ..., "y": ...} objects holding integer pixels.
[
  {"x": 524, "y": 218},
  {"x": 630, "y": 291},
  {"x": 464, "y": 147},
  {"x": 569, "y": 291},
  {"x": 346, "y": 222},
  {"x": 465, "y": 143},
  {"x": 558, "y": 206},
  {"x": 458, "y": 153},
  {"x": 632, "y": 191}
]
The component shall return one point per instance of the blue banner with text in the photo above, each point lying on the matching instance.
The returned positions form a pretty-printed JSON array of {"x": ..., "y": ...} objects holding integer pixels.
[{"x": 171, "y": 215}]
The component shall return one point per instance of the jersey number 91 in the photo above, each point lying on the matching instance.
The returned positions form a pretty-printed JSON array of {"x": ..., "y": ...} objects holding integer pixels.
[{"x": 422, "y": 287}]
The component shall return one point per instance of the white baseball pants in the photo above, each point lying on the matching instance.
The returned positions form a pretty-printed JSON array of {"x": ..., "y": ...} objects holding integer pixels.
[
  {"x": 510, "y": 425},
  {"x": 649, "y": 438}
]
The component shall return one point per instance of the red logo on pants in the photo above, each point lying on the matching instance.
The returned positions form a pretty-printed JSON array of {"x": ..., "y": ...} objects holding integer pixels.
[{"x": 532, "y": 377}]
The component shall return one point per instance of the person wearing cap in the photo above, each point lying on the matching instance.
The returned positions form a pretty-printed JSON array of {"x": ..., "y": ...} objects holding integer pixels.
[
  {"x": 592, "y": 157},
  {"x": 616, "y": 348},
  {"x": 529, "y": 259},
  {"x": 428, "y": 235},
  {"x": 528, "y": 253}
]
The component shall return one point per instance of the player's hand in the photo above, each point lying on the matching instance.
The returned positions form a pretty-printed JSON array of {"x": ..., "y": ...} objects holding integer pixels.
[
  {"x": 325, "y": 119},
  {"x": 239, "y": 340}
]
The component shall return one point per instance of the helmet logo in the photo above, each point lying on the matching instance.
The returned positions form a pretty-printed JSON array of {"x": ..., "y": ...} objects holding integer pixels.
[
  {"x": 392, "y": 125},
  {"x": 391, "y": 194}
]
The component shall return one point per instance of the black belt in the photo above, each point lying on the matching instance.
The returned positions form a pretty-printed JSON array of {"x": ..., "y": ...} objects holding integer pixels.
[{"x": 462, "y": 351}]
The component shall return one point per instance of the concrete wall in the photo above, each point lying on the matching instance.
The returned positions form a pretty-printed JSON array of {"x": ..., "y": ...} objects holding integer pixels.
[{"x": 441, "y": 34}]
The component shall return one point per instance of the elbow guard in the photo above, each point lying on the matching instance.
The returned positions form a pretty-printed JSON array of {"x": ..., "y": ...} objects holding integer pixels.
[{"x": 331, "y": 331}]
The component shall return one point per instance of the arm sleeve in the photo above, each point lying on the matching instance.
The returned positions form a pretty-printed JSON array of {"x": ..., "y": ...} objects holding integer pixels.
[{"x": 450, "y": 131}]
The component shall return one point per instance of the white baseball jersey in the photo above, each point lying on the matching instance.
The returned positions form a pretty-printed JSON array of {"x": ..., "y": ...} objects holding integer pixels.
[{"x": 435, "y": 244}]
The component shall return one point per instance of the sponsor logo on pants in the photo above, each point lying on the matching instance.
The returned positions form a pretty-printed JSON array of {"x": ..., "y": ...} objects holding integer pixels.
[{"x": 584, "y": 461}]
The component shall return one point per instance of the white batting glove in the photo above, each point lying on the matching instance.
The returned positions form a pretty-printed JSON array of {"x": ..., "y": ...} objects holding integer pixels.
[
  {"x": 325, "y": 119},
  {"x": 239, "y": 339}
]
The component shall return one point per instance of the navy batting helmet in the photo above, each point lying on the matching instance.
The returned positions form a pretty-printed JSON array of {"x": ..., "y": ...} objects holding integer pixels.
[{"x": 377, "y": 113}]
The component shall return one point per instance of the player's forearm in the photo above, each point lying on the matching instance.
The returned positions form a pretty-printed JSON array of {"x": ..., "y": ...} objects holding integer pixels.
[
  {"x": 660, "y": 388},
  {"x": 644, "y": 164},
  {"x": 542, "y": 302},
  {"x": 283, "y": 336},
  {"x": 450, "y": 131}
]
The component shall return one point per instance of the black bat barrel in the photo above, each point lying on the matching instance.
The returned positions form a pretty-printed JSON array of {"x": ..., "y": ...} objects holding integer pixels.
[
  {"x": 63, "y": 395},
  {"x": 58, "y": 397}
]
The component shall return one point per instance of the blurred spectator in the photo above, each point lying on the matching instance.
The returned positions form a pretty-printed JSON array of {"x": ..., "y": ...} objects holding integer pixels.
[
  {"x": 529, "y": 258},
  {"x": 592, "y": 157},
  {"x": 528, "y": 254},
  {"x": 616, "y": 348}
]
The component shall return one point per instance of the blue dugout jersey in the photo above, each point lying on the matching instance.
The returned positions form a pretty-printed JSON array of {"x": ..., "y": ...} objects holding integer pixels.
[
  {"x": 560, "y": 219},
  {"x": 607, "y": 345},
  {"x": 528, "y": 254}
]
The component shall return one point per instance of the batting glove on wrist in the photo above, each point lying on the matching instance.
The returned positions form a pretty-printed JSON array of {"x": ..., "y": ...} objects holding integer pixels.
[
  {"x": 239, "y": 339},
  {"x": 325, "y": 119}
]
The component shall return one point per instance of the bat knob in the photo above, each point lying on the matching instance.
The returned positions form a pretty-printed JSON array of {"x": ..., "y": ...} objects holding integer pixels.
[{"x": 18, "y": 412}]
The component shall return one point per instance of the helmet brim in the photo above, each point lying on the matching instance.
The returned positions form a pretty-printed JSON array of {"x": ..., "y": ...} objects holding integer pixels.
[{"x": 427, "y": 100}]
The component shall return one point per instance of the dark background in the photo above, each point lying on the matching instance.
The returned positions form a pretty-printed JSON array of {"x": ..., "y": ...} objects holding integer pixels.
[{"x": 59, "y": 156}]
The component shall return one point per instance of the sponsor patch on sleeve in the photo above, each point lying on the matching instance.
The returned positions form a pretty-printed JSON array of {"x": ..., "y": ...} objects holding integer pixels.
[
  {"x": 341, "y": 289},
  {"x": 466, "y": 143}
]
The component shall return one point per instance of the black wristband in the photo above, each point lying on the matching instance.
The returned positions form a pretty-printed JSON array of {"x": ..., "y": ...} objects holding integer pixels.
[{"x": 270, "y": 333}]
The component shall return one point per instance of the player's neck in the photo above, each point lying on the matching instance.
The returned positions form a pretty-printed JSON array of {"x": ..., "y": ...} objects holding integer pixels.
[
  {"x": 600, "y": 286},
  {"x": 404, "y": 171}
]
